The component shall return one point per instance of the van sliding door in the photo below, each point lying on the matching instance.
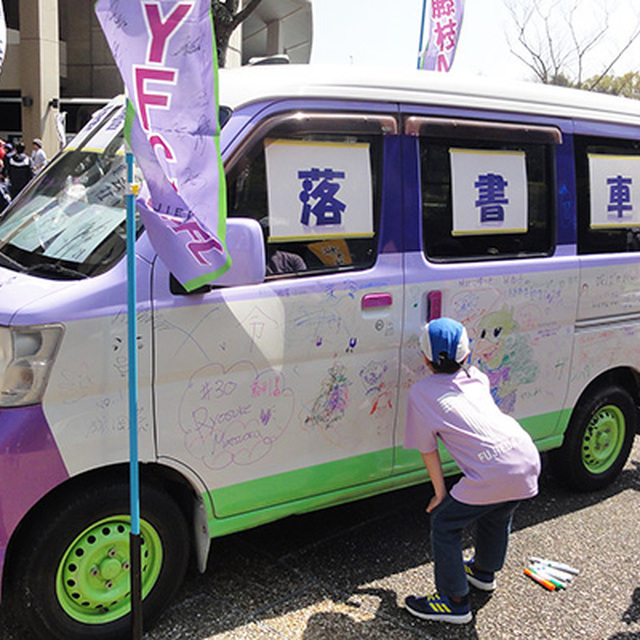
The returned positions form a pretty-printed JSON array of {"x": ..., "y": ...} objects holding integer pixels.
[{"x": 480, "y": 207}]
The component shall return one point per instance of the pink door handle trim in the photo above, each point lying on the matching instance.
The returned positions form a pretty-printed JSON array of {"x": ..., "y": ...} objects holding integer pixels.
[
  {"x": 373, "y": 300},
  {"x": 434, "y": 305}
]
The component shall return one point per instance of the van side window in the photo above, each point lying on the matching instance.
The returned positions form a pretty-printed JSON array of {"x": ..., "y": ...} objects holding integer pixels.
[
  {"x": 608, "y": 194},
  {"x": 314, "y": 186},
  {"x": 487, "y": 189}
]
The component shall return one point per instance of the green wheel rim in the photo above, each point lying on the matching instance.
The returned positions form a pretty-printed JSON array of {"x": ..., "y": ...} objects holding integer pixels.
[
  {"x": 93, "y": 577},
  {"x": 603, "y": 439}
]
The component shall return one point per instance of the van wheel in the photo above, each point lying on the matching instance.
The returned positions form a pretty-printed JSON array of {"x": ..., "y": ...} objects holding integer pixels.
[
  {"x": 71, "y": 576},
  {"x": 598, "y": 440}
]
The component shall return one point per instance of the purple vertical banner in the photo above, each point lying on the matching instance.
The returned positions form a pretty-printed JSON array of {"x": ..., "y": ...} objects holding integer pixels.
[
  {"x": 3, "y": 35},
  {"x": 165, "y": 51},
  {"x": 445, "y": 22}
]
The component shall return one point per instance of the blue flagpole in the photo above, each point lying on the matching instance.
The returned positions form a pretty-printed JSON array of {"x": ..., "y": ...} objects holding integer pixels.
[
  {"x": 134, "y": 477},
  {"x": 424, "y": 14}
]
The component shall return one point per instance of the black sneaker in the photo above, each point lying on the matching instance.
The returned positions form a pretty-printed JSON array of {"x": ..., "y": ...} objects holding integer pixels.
[
  {"x": 438, "y": 608},
  {"x": 482, "y": 580}
]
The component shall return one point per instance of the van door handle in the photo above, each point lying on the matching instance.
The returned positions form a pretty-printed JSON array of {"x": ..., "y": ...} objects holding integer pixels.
[
  {"x": 372, "y": 300},
  {"x": 434, "y": 305}
]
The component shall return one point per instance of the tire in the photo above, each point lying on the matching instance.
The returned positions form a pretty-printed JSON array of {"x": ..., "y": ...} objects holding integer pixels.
[
  {"x": 70, "y": 579},
  {"x": 598, "y": 440}
]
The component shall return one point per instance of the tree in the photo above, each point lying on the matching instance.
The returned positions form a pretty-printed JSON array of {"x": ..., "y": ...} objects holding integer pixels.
[
  {"x": 227, "y": 15},
  {"x": 558, "y": 45},
  {"x": 627, "y": 85}
]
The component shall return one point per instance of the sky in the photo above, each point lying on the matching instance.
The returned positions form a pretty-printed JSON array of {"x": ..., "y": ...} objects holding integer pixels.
[{"x": 386, "y": 33}]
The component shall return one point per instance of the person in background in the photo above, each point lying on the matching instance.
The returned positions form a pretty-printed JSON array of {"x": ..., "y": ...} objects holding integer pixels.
[
  {"x": 500, "y": 466},
  {"x": 7, "y": 150},
  {"x": 18, "y": 170},
  {"x": 38, "y": 156}
]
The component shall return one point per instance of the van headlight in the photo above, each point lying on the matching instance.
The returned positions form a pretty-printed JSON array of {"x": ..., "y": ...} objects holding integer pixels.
[{"x": 26, "y": 356}]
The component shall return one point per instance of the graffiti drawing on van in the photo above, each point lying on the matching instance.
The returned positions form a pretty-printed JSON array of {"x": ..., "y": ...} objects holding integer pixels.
[
  {"x": 504, "y": 355},
  {"x": 226, "y": 423},
  {"x": 331, "y": 403}
]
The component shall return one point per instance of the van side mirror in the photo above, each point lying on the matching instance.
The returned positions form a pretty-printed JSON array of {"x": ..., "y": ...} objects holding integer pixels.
[{"x": 245, "y": 243}]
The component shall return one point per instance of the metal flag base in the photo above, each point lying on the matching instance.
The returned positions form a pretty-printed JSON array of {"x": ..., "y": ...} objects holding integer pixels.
[{"x": 136, "y": 586}]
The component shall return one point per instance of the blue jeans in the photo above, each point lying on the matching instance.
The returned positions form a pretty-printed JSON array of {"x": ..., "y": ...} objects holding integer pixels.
[{"x": 448, "y": 520}]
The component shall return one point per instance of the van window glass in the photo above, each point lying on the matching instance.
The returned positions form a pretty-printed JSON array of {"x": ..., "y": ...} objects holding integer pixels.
[
  {"x": 608, "y": 194},
  {"x": 70, "y": 222},
  {"x": 485, "y": 197},
  {"x": 315, "y": 194}
]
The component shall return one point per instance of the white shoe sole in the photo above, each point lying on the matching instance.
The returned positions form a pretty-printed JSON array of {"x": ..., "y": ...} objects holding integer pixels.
[{"x": 479, "y": 584}]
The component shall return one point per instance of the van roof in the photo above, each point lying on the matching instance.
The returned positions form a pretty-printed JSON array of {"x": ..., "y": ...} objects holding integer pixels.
[{"x": 248, "y": 84}]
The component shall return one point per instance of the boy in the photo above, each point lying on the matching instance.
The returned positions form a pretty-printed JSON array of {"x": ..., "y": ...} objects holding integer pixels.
[{"x": 499, "y": 462}]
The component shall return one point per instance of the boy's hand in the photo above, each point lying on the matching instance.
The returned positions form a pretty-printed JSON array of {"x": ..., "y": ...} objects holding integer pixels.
[
  {"x": 434, "y": 467},
  {"x": 434, "y": 502}
]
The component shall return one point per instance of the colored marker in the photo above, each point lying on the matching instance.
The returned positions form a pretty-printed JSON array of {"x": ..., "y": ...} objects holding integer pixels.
[
  {"x": 543, "y": 574},
  {"x": 536, "y": 578},
  {"x": 554, "y": 573},
  {"x": 555, "y": 565}
]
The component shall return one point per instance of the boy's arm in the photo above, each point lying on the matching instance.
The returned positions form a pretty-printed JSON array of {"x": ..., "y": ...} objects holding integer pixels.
[{"x": 434, "y": 467}]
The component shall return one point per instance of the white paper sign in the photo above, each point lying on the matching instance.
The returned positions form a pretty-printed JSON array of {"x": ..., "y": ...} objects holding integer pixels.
[
  {"x": 614, "y": 191},
  {"x": 489, "y": 191},
  {"x": 318, "y": 190}
]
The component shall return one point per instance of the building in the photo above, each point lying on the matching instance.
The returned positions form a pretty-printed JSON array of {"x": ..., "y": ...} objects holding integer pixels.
[{"x": 57, "y": 60}]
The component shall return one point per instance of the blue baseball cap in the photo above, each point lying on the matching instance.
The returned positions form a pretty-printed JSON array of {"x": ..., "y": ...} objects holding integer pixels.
[{"x": 447, "y": 337}]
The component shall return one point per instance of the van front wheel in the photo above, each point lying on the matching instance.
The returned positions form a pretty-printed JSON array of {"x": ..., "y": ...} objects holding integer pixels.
[
  {"x": 598, "y": 440},
  {"x": 71, "y": 579}
]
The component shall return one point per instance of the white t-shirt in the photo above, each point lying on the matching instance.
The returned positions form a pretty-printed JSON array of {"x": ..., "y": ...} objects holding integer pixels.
[
  {"x": 497, "y": 456},
  {"x": 38, "y": 159}
]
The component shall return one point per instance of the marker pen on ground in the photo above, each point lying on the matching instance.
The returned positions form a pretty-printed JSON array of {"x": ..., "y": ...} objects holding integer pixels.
[
  {"x": 556, "y": 565},
  {"x": 543, "y": 574},
  {"x": 536, "y": 578},
  {"x": 554, "y": 573}
]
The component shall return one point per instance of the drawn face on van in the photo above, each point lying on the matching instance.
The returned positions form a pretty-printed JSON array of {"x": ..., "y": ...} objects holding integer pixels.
[{"x": 491, "y": 332}]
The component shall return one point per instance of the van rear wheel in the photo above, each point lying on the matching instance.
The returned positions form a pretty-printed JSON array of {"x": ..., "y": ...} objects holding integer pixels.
[
  {"x": 71, "y": 576},
  {"x": 598, "y": 440}
]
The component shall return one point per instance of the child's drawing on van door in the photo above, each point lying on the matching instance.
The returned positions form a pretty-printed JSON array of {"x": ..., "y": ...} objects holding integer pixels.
[
  {"x": 331, "y": 404},
  {"x": 505, "y": 355}
]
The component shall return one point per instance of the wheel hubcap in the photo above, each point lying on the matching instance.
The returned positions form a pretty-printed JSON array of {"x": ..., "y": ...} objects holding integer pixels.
[
  {"x": 603, "y": 439},
  {"x": 93, "y": 578}
]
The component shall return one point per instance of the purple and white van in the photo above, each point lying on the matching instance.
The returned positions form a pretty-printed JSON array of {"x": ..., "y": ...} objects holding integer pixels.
[{"x": 361, "y": 204}]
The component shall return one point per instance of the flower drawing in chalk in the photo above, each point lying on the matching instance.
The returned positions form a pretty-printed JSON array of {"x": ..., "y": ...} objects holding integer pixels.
[{"x": 331, "y": 404}]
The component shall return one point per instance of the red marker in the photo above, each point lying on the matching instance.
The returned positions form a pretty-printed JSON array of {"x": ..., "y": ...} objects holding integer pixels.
[{"x": 545, "y": 583}]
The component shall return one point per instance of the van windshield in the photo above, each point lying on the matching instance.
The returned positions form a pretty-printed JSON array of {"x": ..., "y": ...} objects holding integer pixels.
[{"x": 70, "y": 222}]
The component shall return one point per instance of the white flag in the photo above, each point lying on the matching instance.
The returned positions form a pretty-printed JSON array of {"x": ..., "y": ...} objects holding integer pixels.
[{"x": 3, "y": 35}]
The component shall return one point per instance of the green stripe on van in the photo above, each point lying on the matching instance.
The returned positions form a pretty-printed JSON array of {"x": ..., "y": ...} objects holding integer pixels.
[
  {"x": 547, "y": 429},
  {"x": 302, "y": 483},
  {"x": 264, "y": 500}
]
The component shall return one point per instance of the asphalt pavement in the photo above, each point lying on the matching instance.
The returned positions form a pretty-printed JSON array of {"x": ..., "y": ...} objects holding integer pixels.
[{"x": 343, "y": 574}]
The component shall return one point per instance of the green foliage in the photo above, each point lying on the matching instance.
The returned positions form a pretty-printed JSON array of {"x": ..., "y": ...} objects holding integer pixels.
[{"x": 627, "y": 85}]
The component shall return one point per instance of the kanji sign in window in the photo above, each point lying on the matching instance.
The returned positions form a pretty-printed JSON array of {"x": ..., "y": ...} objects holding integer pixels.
[
  {"x": 318, "y": 190},
  {"x": 614, "y": 191},
  {"x": 489, "y": 191}
]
